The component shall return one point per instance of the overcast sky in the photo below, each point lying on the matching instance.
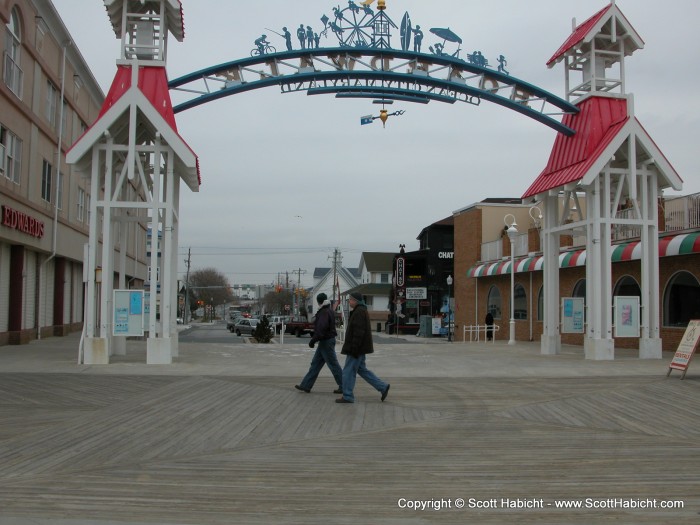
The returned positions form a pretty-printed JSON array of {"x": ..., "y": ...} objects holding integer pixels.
[{"x": 286, "y": 178}]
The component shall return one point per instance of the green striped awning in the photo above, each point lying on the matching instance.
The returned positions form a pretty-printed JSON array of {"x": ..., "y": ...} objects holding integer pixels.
[{"x": 681, "y": 244}]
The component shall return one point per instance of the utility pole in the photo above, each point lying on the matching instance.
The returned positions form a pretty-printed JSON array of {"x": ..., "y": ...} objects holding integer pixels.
[
  {"x": 337, "y": 258},
  {"x": 185, "y": 317},
  {"x": 298, "y": 291}
]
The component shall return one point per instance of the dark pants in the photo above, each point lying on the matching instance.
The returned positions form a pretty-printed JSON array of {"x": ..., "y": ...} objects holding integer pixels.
[{"x": 324, "y": 355}]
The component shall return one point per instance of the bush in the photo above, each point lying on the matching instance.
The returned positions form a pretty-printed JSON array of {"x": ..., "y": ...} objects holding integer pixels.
[{"x": 263, "y": 332}]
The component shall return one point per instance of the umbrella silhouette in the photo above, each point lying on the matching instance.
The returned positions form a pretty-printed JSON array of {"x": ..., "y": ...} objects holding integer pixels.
[{"x": 446, "y": 34}]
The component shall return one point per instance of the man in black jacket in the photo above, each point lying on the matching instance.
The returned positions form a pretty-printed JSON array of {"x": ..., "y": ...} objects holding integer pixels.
[
  {"x": 324, "y": 334},
  {"x": 358, "y": 343}
]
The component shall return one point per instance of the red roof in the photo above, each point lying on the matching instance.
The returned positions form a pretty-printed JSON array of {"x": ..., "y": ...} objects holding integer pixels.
[
  {"x": 152, "y": 82},
  {"x": 579, "y": 34},
  {"x": 596, "y": 125}
]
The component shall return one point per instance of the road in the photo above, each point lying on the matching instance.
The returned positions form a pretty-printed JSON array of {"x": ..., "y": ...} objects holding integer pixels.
[{"x": 216, "y": 333}]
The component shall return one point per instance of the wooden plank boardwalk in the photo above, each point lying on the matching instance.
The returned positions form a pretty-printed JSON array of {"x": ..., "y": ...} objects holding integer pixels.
[{"x": 223, "y": 449}]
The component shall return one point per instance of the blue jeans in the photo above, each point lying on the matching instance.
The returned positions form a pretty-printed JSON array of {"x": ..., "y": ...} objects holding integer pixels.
[
  {"x": 355, "y": 366},
  {"x": 324, "y": 355}
]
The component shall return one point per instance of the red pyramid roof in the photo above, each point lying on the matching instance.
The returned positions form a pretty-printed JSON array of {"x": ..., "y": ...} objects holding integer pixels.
[
  {"x": 599, "y": 120},
  {"x": 579, "y": 34}
]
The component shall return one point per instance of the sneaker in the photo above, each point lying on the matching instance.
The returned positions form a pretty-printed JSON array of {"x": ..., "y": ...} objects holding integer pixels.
[
  {"x": 338, "y": 391},
  {"x": 386, "y": 392},
  {"x": 342, "y": 400},
  {"x": 302, "y": 389}
]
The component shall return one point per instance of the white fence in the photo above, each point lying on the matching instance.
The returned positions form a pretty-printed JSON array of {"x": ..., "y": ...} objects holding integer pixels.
[
  {"x": 682, "y": 213},
  {"x": 476, "y": 330}
]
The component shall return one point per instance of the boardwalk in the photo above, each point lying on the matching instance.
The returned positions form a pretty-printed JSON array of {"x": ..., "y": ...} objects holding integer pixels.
[{"x": 221, "y": 437}]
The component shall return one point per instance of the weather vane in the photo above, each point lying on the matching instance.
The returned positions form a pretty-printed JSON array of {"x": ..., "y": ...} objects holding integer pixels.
[{"x": 383, "y": 116}]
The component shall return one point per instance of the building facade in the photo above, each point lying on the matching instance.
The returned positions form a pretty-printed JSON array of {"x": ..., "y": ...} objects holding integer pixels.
[
  {"x": 48, "y": 98},
  {"x": 487, "y": 286},
  {"x": 423, "y": 289}
]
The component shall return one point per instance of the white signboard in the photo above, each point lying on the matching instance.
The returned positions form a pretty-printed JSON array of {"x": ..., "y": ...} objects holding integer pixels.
[
  {"x": 437, "y": 325},
  {"x": 416, "y": 293},
  {"x": 128, "y": 313},
  {"x": 686, "y": 348},
  {"x": 626, "y": 316},
  {"x": 572, "y": 318}
]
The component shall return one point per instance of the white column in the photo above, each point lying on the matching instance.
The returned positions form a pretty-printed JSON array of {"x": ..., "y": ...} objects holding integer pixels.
[
  {"x": 551, "y": 338},
  {"x": 650, "y": 346},
  {"x": 599, "y": 344}
]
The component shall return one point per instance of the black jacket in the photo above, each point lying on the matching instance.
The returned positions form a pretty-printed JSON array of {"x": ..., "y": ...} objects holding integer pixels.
[
  {"x": 324, "y": 325},
  {"x": 358, "y": 338}
]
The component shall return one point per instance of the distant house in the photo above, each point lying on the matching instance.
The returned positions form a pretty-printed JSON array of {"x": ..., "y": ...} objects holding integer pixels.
[
  {"x": 375, "y": 270},
  {"x": 323, "y": 283}
]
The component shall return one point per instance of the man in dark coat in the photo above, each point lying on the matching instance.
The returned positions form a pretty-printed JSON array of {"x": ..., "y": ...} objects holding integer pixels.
[
  {"x": 324, "y": 334},
  {"x": 358, "y": 343}
]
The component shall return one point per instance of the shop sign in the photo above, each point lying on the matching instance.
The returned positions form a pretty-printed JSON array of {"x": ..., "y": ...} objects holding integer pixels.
[
  {"x": 22, "y": 222},
  {"x": 446, "y": 255},
  {"x": 416, "y": 293},
  {"x": 400, "y": 272}
]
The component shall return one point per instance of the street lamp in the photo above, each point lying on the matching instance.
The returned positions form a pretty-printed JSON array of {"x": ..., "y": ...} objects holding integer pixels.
[
  {"x": 512, "y": 232},
  {"x": 449, "y": 308}
]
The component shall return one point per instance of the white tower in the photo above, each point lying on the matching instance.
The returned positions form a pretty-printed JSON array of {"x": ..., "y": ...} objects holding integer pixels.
[
  {"x": 136, "y": 160},
  {"x": 614, "y": 163}
]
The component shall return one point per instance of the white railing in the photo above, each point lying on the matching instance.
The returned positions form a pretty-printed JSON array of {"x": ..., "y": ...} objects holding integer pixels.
[
  {"x": 492, "y": 251},
  {"x": 521, "y": 245},
  {"x": 476, "y": 330},
  {"x": 682, "y": 213},
  {"x": 626, "y": 231}
]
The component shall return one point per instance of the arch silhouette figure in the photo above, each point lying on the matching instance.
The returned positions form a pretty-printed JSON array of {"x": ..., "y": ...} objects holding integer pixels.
[{"x": 384, "y": 74}]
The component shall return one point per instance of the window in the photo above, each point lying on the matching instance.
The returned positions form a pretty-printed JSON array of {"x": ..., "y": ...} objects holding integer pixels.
[
  {"x": 2, "y": 159},
  {"x": 627, "y": 286},
  {"x": 540, "y": 304},
  {"x": 51, "y": 104},
  {"x": 80, "y": 214},
  {"x": 12, "y": 72},
  {"x": 520, "y": 302},
  {"x": 59, "y": 191},
  {"x": 385, "y": 278},
  {"x": 494, "y": 303},
  {"x": 681, "y": 300},
  {"x": 46, "y": 181},
  {"x": 77, "y": 86},
  {"x": 12, "y": 154},
  {"x": 64, "y": 119},
  {"x": 580, "y": 291}
]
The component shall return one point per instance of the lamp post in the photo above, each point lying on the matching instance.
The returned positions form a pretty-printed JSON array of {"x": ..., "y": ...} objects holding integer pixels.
[
  {"x": 512, "y": 232},
  {"x": 449, "y": 308}
]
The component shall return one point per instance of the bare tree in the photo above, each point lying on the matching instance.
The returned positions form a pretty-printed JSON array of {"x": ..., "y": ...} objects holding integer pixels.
[{"x": 209, "y": 286}]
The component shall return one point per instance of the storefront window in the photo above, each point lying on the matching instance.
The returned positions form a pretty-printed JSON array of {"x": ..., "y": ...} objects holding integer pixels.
[
  {"x": 681, "y": 300},
  {"x": 494, "y": 303},
  {"x": 520, "y": 303}
]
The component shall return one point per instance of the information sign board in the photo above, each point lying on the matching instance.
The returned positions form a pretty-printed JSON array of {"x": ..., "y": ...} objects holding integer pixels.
[
  {"x": 572, "y": 315},
  {"x": 128, "y": 313},
  {"x": 626, "y": 316},
  {"x": 416, "y": 293},
  {"x": 686, "y": 348}
]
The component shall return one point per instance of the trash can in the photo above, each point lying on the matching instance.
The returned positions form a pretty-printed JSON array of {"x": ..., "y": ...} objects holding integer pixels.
[{"x": 426, "y": 326}]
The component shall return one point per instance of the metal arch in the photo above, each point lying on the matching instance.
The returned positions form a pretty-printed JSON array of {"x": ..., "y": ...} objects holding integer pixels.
[{"x": 370, "y": 72}]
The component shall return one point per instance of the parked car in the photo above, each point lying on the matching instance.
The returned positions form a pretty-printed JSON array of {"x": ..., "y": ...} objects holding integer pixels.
[
  {"x": 299, "y": 326},
  {"x": 245, "y": 326},
  {"x": 277, "y": 321},
  {"x": 231, "y": 323}
]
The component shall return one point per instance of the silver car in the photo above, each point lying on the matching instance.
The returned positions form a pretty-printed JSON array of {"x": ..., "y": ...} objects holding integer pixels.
[{"x": 245, "y": 326}]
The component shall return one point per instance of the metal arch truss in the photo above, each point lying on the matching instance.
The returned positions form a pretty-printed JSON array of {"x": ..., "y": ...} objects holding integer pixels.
[{"x": 372, "y": 73}]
